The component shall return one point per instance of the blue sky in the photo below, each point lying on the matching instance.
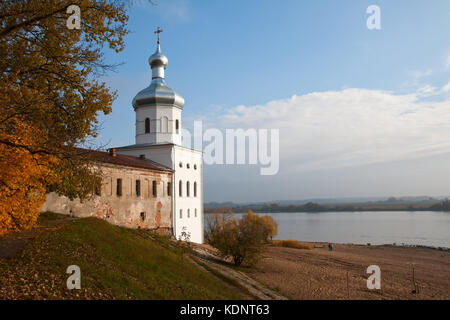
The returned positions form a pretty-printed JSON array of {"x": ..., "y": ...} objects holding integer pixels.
[{"x": 258, "y": 55}]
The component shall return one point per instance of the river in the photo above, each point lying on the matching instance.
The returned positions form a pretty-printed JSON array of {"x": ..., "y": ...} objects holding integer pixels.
[{"x": 425, "y": 228}]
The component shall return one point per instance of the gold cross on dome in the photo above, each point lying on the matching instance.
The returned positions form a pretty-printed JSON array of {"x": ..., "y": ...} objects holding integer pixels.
[{"x": 158, "y": 31}]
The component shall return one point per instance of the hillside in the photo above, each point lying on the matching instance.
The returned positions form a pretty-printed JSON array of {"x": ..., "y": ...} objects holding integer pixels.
[{"x": 115, "y": 263}]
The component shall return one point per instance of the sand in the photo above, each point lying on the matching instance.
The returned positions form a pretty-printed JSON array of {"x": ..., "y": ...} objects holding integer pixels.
[{"x": 322, "y": 274}]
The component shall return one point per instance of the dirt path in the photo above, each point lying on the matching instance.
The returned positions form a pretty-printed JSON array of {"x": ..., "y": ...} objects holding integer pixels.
[{"x": 255, "y": 289}]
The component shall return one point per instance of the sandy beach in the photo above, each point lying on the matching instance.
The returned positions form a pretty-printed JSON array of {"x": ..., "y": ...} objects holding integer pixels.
[{"x": 322, "y": 274}]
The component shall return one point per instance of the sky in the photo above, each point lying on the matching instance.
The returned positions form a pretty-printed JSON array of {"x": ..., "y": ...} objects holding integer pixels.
[{"x": 360, "y": 112}]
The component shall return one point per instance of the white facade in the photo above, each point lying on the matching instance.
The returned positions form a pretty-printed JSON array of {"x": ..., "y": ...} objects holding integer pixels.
[
  {"x": 188, "y": 204},
  {"x": 158, "y": 138},
  {"x": 162, "y": 121}
]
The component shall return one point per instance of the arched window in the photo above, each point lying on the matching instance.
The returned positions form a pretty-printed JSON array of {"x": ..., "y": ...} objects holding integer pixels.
[
  {"x": 187, "y": 189},
  {"x": 177, "y": 125},
  {"x": 147, "y": 125},
  {"x": 164, "y": 124},
  {"x": 180, "y": 189},
  {"x": 195, "y": 189}
]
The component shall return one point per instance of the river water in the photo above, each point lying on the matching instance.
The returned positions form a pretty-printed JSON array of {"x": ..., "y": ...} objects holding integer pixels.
[{"x": 386, "y": 227}]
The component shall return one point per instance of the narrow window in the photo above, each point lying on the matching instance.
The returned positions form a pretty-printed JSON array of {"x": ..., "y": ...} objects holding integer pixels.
[
  {"x": 169, "y": 189},
  {"x": 180, "y": 189},
  {"x": 147, "y": 125},
  {"x": 177, "y": 125},
  {"x": 195, "y": 189},
  {"x": 143, "y": 216},
  {"x": 181, "y": 213},
  {"x": 195, "y": 213},
  {"x": 119, "y": 187},
  {"x": 188, "y": 165},
  {"x": 138, "y": 188},
  {"x": 154, "y": 188},
  {"x": 189, "y": 213},
  {"x": 98, "y": 188},
  {"x": 187, "y": 189}
]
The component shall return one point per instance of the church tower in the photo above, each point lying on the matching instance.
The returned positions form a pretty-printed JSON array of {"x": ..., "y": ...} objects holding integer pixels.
[
  {"x": 158, "y": 111},
  {"x": 158, "y": 108}
]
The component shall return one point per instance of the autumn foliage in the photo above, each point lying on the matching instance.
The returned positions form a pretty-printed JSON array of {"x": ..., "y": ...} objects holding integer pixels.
[
  {"x": 241, "y": 239},
  {"x": 22, "y": 182},
  {"x": 50, "y": 98},
  {"x": 291, "y": 244}
]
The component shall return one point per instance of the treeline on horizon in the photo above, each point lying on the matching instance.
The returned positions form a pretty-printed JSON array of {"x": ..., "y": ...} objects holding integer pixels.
[{"x": 315, "y": 207}]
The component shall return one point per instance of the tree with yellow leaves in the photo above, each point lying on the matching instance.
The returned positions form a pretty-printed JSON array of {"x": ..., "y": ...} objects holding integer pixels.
[
  {"x": 22, "y": 178},
  {"x": 50, "y": 98},
  {"x": 241, "y": 239}
]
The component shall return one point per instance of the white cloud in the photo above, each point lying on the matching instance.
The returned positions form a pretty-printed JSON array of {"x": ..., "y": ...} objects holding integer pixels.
[
  {"x": 446, "y": 88},
  {"x": 426, "y": 90},
  {"x": 350, "y": 127},
  {"x": 416, "y": 78},
  {"x": 419, "y": 74}
]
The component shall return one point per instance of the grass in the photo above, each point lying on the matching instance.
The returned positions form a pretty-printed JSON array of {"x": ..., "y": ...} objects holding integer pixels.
[
  {"x": 50, "y": 216},
  {"x": 115, "y": 263},
  {"x": 291, "y": 244}
]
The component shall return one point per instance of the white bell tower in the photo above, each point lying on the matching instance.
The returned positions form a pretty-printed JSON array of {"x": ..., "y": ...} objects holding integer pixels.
[
  {"x": 158, "y": 138},
  {"x": 158, "y": 108}
]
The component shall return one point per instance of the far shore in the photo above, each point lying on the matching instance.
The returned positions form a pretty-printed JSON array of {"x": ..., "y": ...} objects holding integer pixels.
[
  {"x": 311, "y": 207},
  {"x": 331, "y": 209},
  {"x": 395, "y": 245}
]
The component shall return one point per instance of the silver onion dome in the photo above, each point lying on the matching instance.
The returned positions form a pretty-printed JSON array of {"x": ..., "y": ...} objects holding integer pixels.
[
  {"x": 158, "y": 93},
  {"x": 158, "y": 59}
]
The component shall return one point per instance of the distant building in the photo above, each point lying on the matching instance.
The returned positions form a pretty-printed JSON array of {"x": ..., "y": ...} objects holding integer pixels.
[{"x": 167, "y": 175}]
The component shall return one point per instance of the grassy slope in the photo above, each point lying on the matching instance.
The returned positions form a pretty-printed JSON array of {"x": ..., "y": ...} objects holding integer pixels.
[{"x": 115, "y": 263}]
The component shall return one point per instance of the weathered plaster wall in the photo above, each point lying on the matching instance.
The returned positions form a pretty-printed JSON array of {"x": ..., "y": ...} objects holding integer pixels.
[
  {"x": 191, "y": 215},
  {"x": 124, "y": 210}
]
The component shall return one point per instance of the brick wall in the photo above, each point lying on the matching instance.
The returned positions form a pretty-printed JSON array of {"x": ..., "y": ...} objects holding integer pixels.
[{"x": 128, "y": 210}]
